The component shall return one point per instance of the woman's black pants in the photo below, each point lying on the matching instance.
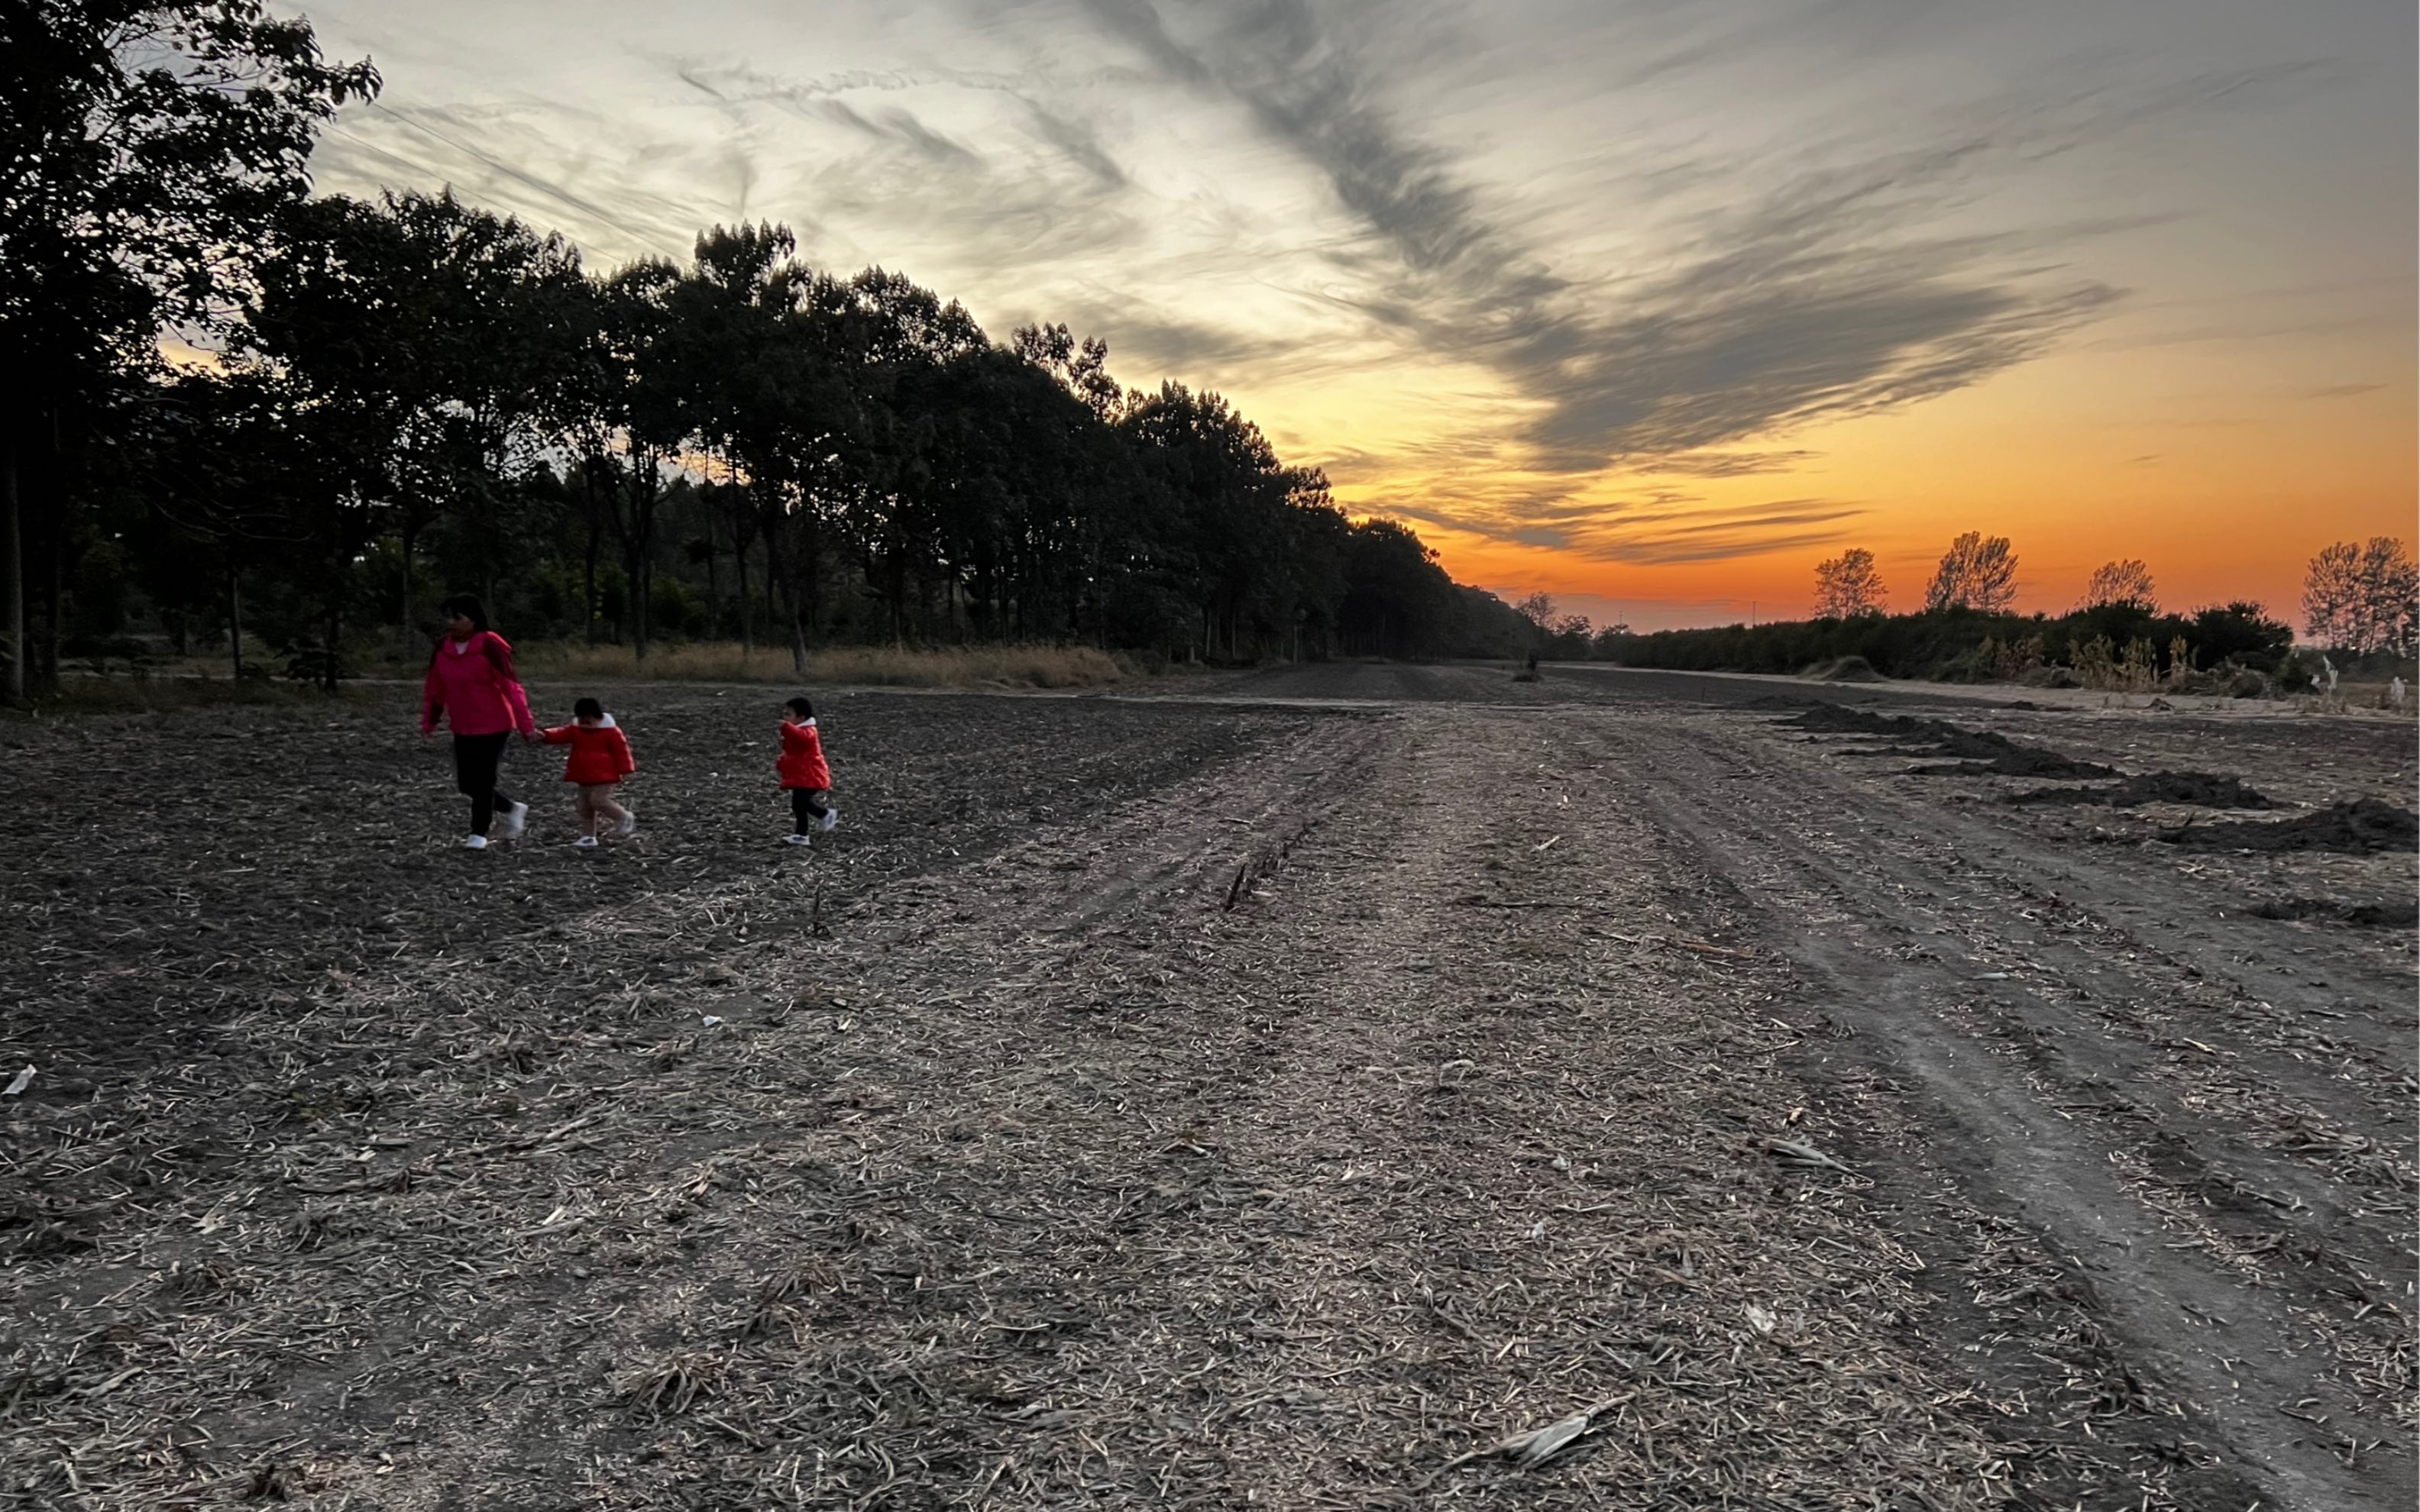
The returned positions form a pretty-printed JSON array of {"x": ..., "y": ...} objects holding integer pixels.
[{"x": 476, "y": 758}]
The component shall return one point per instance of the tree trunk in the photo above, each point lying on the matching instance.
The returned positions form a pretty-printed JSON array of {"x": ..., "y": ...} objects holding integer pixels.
[
  {"x": 12, "y": 573},
  {"x": 773, "y": 573},
  {"x": 55, "y": 609},
  {"x": 739, "y": 599},
  {"x": 643, "y": 610},
  {"x": 235, "y": 614},
  {"x": 588, "y": 585},
  {"x": 46, "y": 667},
  {"x": 408, "y": 530}
]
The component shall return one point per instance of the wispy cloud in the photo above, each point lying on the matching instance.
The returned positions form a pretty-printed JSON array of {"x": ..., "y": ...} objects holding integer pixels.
[
  {"x": 1660, "y": 529},
  {"x": 1808, "y": 301}
]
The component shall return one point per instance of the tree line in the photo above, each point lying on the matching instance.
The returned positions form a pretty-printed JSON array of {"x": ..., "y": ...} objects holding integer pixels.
[
  {"x": 405, "y": 393},
  {"x": 2359, "y": 600}
]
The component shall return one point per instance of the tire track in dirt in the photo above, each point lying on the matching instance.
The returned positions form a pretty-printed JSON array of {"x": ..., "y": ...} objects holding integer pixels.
[
  {"x": 2004, "y": 1124},
  {"x": 1527, "y": 1180}
]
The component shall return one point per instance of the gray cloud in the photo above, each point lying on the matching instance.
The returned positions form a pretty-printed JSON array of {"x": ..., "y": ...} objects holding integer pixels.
[
  {"x": 1080, "y": 143},
  {"x": 1168, "y": 343},
  {"x": 894, "y": 126}
]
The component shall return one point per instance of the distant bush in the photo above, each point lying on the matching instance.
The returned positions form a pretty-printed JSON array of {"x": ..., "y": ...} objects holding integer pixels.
[
  {"x": 883, "y": 666},
  {"x": 2121, "y": 646}
]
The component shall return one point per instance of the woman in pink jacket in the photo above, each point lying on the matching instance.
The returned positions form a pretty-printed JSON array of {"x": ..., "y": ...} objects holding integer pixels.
[{"x": 472, "y": 687}]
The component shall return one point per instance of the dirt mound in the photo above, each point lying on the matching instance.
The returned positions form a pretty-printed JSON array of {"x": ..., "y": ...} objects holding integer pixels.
[
  {"x": 2363, "y": 826},
  {"x": 1980, "y": 752},
  {"x": 2360, "y": 915},
  {"x": 2200, "y": 789},
  {"x": 1840, "y": 719},
  {"x": 1843, "y": 670},
  {"x": 2019, "y": 761}
]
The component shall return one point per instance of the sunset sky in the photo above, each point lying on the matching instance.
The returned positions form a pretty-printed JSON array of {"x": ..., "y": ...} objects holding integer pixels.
[{"x": 1649, "y": 304}]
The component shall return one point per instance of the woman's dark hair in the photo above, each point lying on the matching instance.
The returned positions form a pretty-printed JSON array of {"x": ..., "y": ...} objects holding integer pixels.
[
  {"x": 801, "y": 707},
  {"x": 587, "y": 709},
  {"x": 469, "y": 607}
]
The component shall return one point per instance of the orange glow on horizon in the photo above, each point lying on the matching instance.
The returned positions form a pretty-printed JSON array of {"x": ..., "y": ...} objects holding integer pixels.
[{"x": 2225, "y": 498}]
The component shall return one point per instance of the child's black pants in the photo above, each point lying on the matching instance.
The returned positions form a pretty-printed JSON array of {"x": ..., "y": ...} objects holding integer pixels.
[{"x": 807, "y": 805}]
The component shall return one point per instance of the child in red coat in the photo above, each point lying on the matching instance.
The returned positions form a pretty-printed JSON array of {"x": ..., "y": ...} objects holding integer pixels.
[
  {"x": 599, "y": 759},
  {"x": 804, "y": 773}
]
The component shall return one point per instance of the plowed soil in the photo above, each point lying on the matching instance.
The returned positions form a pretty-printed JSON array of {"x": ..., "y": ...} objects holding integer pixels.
[{"x": 1338, "y": 1086}]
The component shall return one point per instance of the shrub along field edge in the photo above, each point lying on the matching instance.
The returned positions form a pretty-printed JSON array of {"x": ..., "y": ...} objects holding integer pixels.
[{"x": 129, "y": 685}]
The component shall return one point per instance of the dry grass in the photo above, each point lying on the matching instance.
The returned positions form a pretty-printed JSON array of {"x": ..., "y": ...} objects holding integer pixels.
[
  {"x": 141, "y": 692},
  {"x": 876, "y": 666}
]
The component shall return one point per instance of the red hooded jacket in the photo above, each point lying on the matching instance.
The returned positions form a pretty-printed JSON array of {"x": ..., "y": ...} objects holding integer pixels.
[
  {"x": 599, "y": 755},
  {"x": 802, "y": 758},
  {"x": 472, "y": 684}
]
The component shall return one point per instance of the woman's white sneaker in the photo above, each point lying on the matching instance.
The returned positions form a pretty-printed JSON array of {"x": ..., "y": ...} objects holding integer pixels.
[
  {"x": 796, "y": 840},
  {"x": 510, "y": 821},
  {"x": 475, "y": 842}
]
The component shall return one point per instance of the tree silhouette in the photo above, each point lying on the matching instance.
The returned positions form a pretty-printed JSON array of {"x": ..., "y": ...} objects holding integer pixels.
[
  {"x": 142, "y": 150},
  {"x": 2124, "y": 584},
  {"x": 1976, "y": 573},
  {"x": 1848, "y": 585},
  {"x": 2360, "y": 598}
]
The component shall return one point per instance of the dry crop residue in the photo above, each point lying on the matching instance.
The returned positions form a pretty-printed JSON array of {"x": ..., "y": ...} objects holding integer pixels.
[{"x": 1258, "y": 1105}]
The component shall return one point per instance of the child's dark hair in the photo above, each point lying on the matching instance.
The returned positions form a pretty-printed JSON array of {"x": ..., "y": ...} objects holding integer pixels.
[
  {"x": 587, "y": 709},
  {"x": 801, "y": 707},
  {"x": 469, "y": 607}
]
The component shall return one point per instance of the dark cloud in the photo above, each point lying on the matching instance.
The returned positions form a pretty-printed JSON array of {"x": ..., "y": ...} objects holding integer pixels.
[
  {"x": 1696, "y": 535},
  {"x": 894, "y": 126},
  {"x": 1142, "y": 341},
  {"x": 1726, "y": 464},
  {"x": 1663, "y": 528}
]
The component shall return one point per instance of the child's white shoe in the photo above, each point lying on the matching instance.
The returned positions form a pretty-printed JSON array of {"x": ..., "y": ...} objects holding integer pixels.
[
  {"x": 510, "y": 823},
  {"x": 585, "y": 842},
  {"x": 831, "y": 817},
  {"x": 796, "y": 840},
  {"x": 627, "y": 826},
  {"x": 475, "y": 842}
]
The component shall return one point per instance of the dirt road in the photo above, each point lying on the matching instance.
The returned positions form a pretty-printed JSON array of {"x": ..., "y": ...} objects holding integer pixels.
[{"x": 1269, "y": 1095}]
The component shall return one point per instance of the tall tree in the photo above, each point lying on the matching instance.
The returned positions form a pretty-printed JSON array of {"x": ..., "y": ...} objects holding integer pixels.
[
  {"x": 2390, "y": 595},
  {"x": 2332, "y": 611},
  {"x": 143, "y": 147},
  {"x": 1848, "y": 586},
  {"x": 1977, "y": 572},
  {"x": 2124, "y": 584},
  {"x": 2363, "y": 597}
]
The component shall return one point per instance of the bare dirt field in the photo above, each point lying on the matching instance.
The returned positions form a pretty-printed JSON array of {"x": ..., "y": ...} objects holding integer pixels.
[{"x": 1331, "y": 1087}]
